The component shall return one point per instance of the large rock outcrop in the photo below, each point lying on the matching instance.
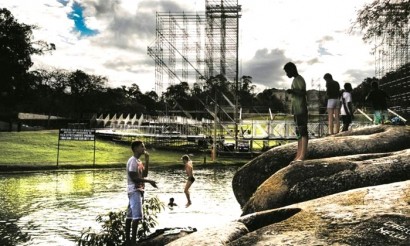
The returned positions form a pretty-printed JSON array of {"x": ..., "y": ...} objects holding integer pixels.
[
  {"x": 316, "y": 178},
  {"x": 354, "y": 189},
  {"x": 376, "y": 216},
  {"x": 214, "y": 236},
  {"x": 375, "y": 139}
]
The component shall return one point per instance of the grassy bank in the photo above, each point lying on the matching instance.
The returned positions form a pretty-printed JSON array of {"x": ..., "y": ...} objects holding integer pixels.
[{"x": 38, "y": 150}]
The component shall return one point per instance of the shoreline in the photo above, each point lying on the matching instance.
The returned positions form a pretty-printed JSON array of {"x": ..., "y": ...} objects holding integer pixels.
[{"x": 25, "y": 168}]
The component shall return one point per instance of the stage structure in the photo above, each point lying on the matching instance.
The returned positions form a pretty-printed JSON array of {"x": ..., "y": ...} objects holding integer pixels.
[{"x": 392, "y": 63}]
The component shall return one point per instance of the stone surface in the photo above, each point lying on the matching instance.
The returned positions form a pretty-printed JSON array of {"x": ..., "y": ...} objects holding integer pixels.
[
  {"x": 213, "y": 236},
  {"x": 311, "y": 179},
  {"x": 377, "y": 216},
  {"x": 374, "y": 216},
  {"x": 162, "y": 236},
  {"x": 375, "y": 139},
  {"x": 354, "y": 189}
]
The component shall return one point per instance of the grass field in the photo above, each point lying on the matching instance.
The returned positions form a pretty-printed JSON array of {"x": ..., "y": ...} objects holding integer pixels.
[{"x": 40, "y": 149}]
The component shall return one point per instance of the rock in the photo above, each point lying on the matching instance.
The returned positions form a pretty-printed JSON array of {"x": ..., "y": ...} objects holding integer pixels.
[
  {"x": 166, "y": 235},
  {"x": 375, "y": 139},
  {"x": 377, "y": 216},
  {"x": 333, "y": 198},
  {"x": 321, "y": 177},
  {"x": 213, "y": 236}
]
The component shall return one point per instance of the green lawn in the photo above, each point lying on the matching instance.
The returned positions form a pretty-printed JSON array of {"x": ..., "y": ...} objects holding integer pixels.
[{"x": 39, "y": 148}]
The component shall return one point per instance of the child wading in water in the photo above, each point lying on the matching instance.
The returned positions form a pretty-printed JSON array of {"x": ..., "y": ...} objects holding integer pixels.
[{"x": 190, "y": 173}]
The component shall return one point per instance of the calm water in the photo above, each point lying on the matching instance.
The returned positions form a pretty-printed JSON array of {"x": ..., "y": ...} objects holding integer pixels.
[{"x": 52, "y": 208}]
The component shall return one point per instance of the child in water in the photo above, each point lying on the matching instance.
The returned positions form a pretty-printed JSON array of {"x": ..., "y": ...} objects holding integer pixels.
[
  {"x": 171, "y": 203},
  {"x": 190, "y": 173}
]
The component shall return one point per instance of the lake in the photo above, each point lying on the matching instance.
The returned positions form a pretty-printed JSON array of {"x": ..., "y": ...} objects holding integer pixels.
[{"x": 52, "y": 208}]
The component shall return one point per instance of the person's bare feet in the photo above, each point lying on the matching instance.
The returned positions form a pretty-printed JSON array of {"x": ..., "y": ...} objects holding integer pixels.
[
  {"x": 188, "y": 204},
  {"x": 296, "y": 161}
]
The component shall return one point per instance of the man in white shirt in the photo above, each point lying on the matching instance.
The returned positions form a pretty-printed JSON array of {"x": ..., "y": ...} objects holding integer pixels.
[{"x": 136, "y": 179}]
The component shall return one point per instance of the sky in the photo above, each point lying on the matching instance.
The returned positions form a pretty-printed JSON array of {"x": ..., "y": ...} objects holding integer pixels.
[{"x": 110, "y": 38}]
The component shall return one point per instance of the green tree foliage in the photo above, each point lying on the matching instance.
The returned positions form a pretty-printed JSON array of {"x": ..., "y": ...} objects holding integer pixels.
[
  {"x": 16, "y": 48},
  {"x": 112, "y": 231},
  {"x": 361, "y": 91},
  {"x": 49, "y": 88},
  {"x": 268, "y": 99},
  {"x": 83, "y": 89},
  {"x": 76, "y": 93},
  {"x": 245, "y": 92},
  {"x": 150, "y": 101},
  {"x": 380, "y": 17}
]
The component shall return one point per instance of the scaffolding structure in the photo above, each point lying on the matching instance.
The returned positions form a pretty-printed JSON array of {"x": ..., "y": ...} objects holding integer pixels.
[
  {"x": 192, "y": 47},
  {"x": 391, "y": 53},
  {"x": 392, "y": 62},
  {"x": 177, "y": 49},
  {"x": 222, "y": 25}
]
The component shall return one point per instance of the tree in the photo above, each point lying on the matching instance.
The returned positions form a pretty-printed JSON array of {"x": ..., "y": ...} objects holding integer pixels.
[
  {"x": 150, "y": 99},
  {"x": 49, "y": 88},
  {"x": 177, "y": 96},
  {"x": 267, "y": 99},
  {"x": 133, "y": 92},
  {"x": 361, "y": 91},
  {"x": 380, "y": 17},
  {"x": 245, "y": 91},
  {"x": 82, "y": 89},
  {"x": 16, "y": 48}
]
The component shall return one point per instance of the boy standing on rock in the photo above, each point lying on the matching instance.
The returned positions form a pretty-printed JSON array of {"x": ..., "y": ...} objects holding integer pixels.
[{"x": 299, "y": 109}]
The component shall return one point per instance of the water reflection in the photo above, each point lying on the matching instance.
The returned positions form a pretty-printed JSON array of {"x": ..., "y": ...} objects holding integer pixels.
[{"x": 52, "y": 208}]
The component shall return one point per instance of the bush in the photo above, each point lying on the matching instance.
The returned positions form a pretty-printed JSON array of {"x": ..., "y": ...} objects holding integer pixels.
[{"x": 113, "y": 226}]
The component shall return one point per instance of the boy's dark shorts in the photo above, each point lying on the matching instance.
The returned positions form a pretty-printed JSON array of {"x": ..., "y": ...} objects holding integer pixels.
[{"x": 301, "y": 121}]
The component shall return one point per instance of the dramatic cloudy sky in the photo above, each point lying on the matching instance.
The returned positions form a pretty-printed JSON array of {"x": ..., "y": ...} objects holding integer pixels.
[{"x": 110, "y": 38}]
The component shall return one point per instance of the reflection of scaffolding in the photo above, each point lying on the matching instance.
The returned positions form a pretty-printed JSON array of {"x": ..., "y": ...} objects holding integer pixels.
[{"x": 191, "y": 47}]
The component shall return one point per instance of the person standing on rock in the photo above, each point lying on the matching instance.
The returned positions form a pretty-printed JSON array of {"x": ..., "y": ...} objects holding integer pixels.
[
  {"x": 299, "y": 109},
  {"x": 333, "y": 103},
  {"x": 136, "y": 179},
  {"x": 346, "y": 111},
  {"x": 378, "y": 99}
]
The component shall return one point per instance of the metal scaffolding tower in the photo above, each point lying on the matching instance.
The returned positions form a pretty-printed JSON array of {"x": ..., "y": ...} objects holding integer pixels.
[
  {"x": 177, "y": 50},
  {"x": 392, "y": 62},
  {"x": 391, "y": 53},
  {"x": 192, "y": 47},
  {"x": 222, "y": 25}
]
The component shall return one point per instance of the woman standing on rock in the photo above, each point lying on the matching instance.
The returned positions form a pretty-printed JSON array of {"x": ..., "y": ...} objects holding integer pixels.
[{"x": 333, "y": 103}]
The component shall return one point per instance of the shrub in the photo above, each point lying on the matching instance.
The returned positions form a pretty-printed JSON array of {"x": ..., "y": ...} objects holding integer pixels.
[{"x": 113, "y": 226}]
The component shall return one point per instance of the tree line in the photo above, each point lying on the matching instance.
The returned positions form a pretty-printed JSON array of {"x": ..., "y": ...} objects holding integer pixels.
[{"x": 61, "y": 92}]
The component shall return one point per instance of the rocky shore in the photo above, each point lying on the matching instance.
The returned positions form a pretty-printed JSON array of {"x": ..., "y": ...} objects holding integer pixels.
[{"x": 353, "y": 190}]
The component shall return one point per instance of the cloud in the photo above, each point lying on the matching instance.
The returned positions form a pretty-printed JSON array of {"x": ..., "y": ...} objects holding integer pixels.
[
  {"x": 323, "y": 51},
  {"x": 356, "y": 76},
  {"x": 313, "y": 61},
  {"x": 80, "y": 26},
  {"x": 266, "y": 67},
  {"x": 270, "y": 36}
]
